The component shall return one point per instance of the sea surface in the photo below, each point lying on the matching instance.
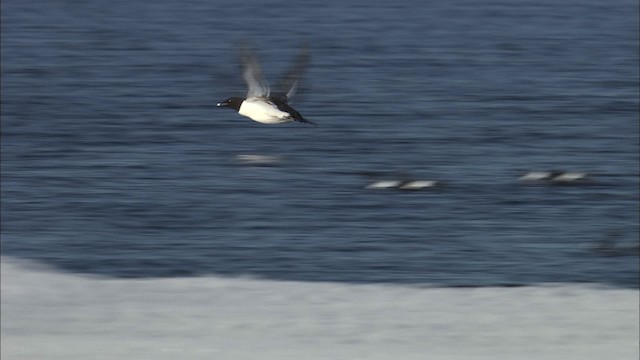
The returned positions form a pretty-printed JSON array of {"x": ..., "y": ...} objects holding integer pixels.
[{"x": 116, "y": 162}]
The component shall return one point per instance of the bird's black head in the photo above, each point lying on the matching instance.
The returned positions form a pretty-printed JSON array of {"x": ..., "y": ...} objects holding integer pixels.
[{"x": 232, "y": 102}]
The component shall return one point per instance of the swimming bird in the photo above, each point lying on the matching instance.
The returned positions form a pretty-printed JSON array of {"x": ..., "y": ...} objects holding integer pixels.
[
  {"x": 555, "y": 177},
  {"x": 403, "y": 184},
  {"x": 400, "y": 181},
  {"x": 261, "y": 104}
]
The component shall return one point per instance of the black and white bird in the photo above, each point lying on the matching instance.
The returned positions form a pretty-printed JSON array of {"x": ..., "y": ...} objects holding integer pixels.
[
  {"x": 261, "y": 104},
  {"x": 555, "y": 177}
]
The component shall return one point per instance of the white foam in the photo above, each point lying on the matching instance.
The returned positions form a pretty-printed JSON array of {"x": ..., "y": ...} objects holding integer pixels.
[{"x": 52, "y": 315}]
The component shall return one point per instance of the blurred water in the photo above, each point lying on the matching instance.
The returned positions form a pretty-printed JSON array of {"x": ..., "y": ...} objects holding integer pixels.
[{"x": 116, "y": 161}]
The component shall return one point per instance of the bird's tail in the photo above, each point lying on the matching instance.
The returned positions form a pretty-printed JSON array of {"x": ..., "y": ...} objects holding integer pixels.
[{"x": 303, "y": 120}]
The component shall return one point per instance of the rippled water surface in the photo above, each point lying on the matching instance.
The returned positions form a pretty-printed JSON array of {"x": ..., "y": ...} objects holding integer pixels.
[{"x": 116, "y": 161}]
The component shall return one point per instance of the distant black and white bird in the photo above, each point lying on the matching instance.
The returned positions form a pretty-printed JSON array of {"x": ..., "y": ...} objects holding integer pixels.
[
  {"x": 555, "y": 177},
  {"x": 261, "y": 104}
]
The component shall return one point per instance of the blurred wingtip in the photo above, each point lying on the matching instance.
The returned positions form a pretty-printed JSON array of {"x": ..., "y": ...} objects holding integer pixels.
[
  {"x": 288, "y": 86},
  {"x": 246, "y": 51},
  {"x": 289, "y": 83}
]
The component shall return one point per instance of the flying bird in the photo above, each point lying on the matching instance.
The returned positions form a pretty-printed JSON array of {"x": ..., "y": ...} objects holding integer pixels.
[{"x": 261, "y": 104}]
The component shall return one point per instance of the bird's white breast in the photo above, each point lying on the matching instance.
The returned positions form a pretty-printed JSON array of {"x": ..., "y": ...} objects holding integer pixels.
[{"x": 263, "y": 112}]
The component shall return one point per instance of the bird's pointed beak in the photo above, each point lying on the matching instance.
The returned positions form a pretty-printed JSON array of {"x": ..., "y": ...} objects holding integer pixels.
[{"x": 222, "y": 104}]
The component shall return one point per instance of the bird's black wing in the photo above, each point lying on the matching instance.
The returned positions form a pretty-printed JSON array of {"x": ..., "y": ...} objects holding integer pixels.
[{"x": 288, "y": 85}]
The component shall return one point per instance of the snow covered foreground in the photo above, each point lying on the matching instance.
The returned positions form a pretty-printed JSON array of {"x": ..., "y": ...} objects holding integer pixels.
[{"x": 52, "y": 315}]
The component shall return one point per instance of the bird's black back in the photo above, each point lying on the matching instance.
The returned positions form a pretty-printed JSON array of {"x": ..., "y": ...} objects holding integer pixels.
[{"x": 281, "y": 103}]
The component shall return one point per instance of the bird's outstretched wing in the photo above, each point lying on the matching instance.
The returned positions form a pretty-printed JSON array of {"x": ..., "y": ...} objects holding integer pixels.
[
  {"x": 288, "y": 85},
  {"x": 252, "y": 73}
]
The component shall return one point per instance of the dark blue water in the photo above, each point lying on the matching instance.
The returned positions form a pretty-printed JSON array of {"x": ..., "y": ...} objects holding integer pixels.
[{"x": 116, "y": 161}]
